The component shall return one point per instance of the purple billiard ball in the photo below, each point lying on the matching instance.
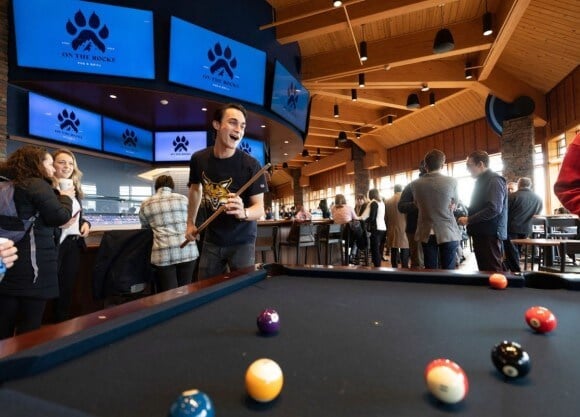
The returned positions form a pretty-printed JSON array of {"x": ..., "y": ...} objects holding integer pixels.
[{"x": 268, "y": 321}]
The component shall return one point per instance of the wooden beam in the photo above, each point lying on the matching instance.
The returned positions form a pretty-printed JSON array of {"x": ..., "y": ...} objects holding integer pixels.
[
  {"x": 509, "y": 16},
  {"x": 331, "y": 162},
  {"x": 333, "y": 21},
  {"x": 402, "y": 51}
]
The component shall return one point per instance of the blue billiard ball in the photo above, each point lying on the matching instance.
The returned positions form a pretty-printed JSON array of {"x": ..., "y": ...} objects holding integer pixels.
[
  {"x": 268, "y": 321},
  {"x": 192, "y": 403}
]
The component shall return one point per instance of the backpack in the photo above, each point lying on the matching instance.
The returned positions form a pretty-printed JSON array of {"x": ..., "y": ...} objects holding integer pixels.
[{"x": 11, "y": 226}]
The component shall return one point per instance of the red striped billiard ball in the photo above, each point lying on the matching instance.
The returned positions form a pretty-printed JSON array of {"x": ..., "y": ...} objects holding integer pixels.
[
  {"x": 446, "y": 381},
  {"x": 541, "y": 319}
]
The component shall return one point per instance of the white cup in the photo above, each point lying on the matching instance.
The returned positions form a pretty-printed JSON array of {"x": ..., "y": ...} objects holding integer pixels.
[{"x": 65, "y": 183}]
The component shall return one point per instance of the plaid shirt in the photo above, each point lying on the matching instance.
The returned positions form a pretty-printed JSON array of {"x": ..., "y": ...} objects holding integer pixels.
[{"x": 166, "y": 213}]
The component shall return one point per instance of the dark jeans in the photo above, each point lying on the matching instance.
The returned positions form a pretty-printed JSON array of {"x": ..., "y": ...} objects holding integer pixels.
[
  {"x": 20, "y": 315},
  {"x": 439, "y": 256},
  {"x": 512, "y": 252},
  {"x": 173, "y": 276},
  {"x": 488, "y": 253},
  {"x": 400, "y": 256},
  {"x": 376, "y": 254},
  {"x": 218, "y": 260},
  {"x": 68, "y": 268}
]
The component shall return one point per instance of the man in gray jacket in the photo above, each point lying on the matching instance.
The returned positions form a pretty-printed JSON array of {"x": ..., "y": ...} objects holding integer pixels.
[{"x": 437, "y": 230}]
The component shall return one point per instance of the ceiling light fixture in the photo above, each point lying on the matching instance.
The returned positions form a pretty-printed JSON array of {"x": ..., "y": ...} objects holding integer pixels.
[
  {"x": 336, "y": 113},
  {"x": 305, "y": 153},
  {"x": 112, "y": 96},
  {"x": 285, "y": 165},
  {"x": 336, "y": 3},
  {"x": 431, "y": 99},
  {"x": 353, "y": 94},
  {"x": 363, "y": 46},
  {"x": 164, "y": 102},
  {"x": 389, "y": 119},
  {"x": 424, "y": 87},
  {"x": 361, "y": 80},
  {"x": 357, "y": 133},
  {"x": 204, "y": 109},
  {"x": 443, "y": 39},
  {"x": 468, "y": 71},
  {"x": 413, "y": 101},
  {"x": 487, "y": 22},
  {"x": 342, "y": 136}
]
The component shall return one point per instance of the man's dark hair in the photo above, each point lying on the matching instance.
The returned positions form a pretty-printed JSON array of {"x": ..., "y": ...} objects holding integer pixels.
[
  {"x": 219, "y": 113},
  {"x": 374, "y": 194},
  {"x": 164, "y": 181},
  {"x": 398, "y": 188},
  {"x": 480, "y": 156},
  {"x": 434, "y": 160},
  {"x": 524, "y": 182}
]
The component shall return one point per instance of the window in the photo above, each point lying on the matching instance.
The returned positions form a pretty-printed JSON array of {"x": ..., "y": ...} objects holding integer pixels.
[{"x": 561, "y": 146}]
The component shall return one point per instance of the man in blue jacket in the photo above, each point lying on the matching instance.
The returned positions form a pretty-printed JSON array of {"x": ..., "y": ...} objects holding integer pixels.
[{"x": 487, "y": 218}]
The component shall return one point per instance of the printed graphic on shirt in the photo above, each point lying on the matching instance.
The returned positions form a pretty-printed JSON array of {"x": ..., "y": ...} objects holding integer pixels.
[{"x": 215, "y": 193}]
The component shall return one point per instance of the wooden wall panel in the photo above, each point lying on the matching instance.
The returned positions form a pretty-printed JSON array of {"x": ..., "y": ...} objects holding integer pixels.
[
  {"x": 459, "y": 142},
  {"x": 563, "y": 103},
  {"x": 569, "y": 109}
]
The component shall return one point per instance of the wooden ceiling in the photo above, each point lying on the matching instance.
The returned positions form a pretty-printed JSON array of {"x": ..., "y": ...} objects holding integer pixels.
[{"x": 535, "y": 44}]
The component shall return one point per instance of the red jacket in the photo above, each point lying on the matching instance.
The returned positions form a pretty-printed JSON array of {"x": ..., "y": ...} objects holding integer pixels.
[{"x": 567, "y": 187}]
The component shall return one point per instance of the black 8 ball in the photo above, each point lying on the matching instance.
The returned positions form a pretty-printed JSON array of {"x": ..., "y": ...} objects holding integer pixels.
[{"x": 511, "y": 359}]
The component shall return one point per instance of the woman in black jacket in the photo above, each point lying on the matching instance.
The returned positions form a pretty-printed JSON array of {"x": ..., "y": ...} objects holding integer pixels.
[{"x": 33, "y": 279}]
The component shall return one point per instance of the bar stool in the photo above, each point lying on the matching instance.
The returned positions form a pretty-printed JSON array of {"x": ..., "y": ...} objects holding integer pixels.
[
  {"x": 267, "y": 240},
  {"x": 331, "y": 234},
  {"x": 302, "y": 235}
]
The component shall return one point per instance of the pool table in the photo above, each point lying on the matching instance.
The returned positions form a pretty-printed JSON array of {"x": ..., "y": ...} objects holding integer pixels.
[{"x": 353, "y": 342}]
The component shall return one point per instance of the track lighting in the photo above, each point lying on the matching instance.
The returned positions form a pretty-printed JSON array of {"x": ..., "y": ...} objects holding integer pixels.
[
  {"x": 353, "y": 94},
  {"x": 468, "y": 71},
  {"x": 431, "y": 99},
  {"x": 487, "y": 22},
  {"x": 342, "y": 136},
  {"x": 424, "y": 87},
  {"x": 305, "y": 153},
  {"x": 389, "y": 120},
  {"x": 336, "y": 113},
  {"x": 363, "y": 46},
  {"x": 361, "y": 80},
  {"x": 357, "y": 133}
]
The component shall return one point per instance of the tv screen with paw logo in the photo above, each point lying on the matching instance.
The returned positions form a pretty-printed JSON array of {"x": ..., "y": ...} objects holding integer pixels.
[
  {"x": 62, "y": 122},
  {"x": 123, "y": 139},
  {"x": 79, "y": 36},
  {"x": 290, "y": 99},
  {"x": 211, "y": 62},
  {"x": 178, "y": 146}
]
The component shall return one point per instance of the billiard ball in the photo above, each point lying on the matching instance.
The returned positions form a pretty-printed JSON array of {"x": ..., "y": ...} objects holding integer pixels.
[
  {"x": 268, "y": 321},
  {"x": 446, "y": 381},
  {"x": 192, "y": 403},
  {"x": 498, "y": 281},
  {"x": 511, "y": 359},
  {"x": 541, "y": 319},
  {"x": 264, "y": 380}
]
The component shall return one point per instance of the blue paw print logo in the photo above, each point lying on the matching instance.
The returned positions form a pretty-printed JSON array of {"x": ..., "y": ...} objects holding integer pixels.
[
  {"x": 292, "y": 101},
  {"x": 87, "y": 36},
  {"x": 129, "y": 138},
  {"x": 180, "y": 144},
  {"x": 68, "y": 121},
  {"x": 223, "y": 61},
  {"x": 245, "y": 146}
]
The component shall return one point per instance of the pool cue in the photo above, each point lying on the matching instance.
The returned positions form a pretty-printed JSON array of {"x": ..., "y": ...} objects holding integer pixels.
[{"x": 222, "y": 208}]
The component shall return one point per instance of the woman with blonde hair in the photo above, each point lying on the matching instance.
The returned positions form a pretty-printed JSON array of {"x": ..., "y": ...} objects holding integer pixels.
[{"x": 72, "y": 233}]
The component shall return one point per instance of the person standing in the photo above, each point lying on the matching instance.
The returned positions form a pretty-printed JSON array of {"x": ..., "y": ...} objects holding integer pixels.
[
  {"x": 215, "y": 175},
  {"x": 33, "y": 280},
  {"x": 523, "y": 205},
  {"x": 407, "y": 205},
  {"x": 301, "y": 214},
  {"x": 374, "y": 215},
  {"x": 72, "y": 234},
  {"x": 436, "y": 195},
  {"x": 567, "y": 186},
  {"x": 488, "y": 211},
  {"x": 165, "y": 213},
  {"x": 396, "y": 237}
]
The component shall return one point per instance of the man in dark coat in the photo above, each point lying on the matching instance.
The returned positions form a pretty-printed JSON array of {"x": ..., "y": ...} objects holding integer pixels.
[
  {"x": 487, "y": 219},
  {"x": 522, "y": 206}
]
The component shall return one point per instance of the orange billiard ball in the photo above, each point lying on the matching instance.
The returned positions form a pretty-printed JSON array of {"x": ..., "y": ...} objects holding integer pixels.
[
  {"x": 498, "y": 281},
  {"x": 264, "y": 380}
]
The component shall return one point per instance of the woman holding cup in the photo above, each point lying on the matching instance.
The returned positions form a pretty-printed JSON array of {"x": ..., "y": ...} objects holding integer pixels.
[{"x": 68, "y": 176}]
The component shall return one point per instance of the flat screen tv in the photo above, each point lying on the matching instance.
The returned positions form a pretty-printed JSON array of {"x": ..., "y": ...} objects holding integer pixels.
[
  {"x": 211, "y": 62},
  {"x": 62, "y": 122},
  {"x": 178, "y": 146},
  {"x": 289, "y": 98},
  {"x": 123, "y": 139},
  {"x": 254, "y": 148},
  {"x": 86, "y": 37}
]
